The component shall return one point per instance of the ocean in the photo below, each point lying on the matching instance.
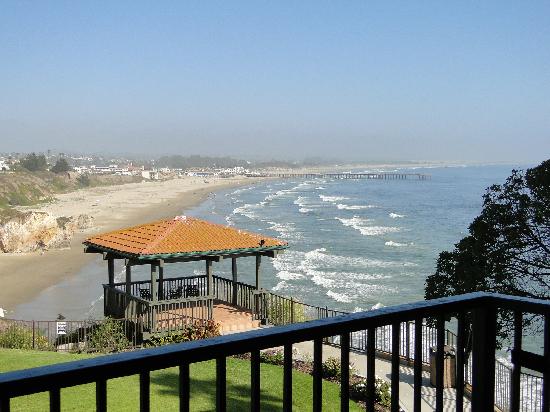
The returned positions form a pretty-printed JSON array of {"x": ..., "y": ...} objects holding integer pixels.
[{"x": 354, "y": 244}]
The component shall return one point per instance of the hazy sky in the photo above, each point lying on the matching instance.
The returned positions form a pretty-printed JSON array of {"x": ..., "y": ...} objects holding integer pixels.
[{"x": 360, "y": 80}]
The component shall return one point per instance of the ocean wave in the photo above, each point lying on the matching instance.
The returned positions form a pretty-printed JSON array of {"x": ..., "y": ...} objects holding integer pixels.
[
  {"x": 300, "y": 201},
  {"x": 339, "y": 297},
  {"x": 280, "y": 286},
  {"x": 318, "y": 256},
  {"x": 320, "y": 188},
  {"x": 286, "y": 230},
  {"x": 229, "y": 221},
  {"x": 248, "y": 210},
  {"x": 359, "y": 224},
  {"x": 396, "y": 216},
  {"x": 305, "y": 210},
  {"x": 353, "y": 207},
  {"x": 241, "y": 190},
  {"x": 285, "y": 275},
  {"x": 377, "y": 306},
  {"x": 332, "y": 199},
  {"x": 395, "y": 244}
]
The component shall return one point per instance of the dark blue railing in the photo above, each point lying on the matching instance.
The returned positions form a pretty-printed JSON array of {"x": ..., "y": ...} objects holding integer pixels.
[{"x": 483, "y": 308}]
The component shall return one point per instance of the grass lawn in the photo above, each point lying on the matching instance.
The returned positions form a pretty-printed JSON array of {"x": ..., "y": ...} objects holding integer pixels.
[{"x": 123, "y": 393}]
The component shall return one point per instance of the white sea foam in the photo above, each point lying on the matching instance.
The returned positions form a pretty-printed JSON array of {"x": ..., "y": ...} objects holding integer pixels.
[
  {"x": 332, "y": 199},
  {"x": 396, "y": 216},
  {"x": 280, "y": 286},
  {"x": 353, "y": 207},
  {"x": 241, "y": 190},
  {"x": 300, "y": 201},
  {"x": 377, "y": 306},
  {"x": 360, "y": 224},
  {"x": 319, "y": 256},
  {"x": 286, "y": 230},
  {"x": 305, "y": 210},
  {"x": 395, "y": 244},
  {"x": 229, "y": 221},
  {"x": 248, "y": 210},
  {"x": 285, "y": 275},
  {"x": 339, "y": 297},
  {"x": 319, "y": 188}
]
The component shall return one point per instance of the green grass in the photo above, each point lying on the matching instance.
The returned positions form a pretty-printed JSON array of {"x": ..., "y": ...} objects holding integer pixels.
[{"x": 123, "y": 393}]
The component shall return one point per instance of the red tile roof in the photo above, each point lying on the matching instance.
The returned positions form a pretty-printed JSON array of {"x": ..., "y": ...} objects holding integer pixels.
[{"x": 181, "y": 236}]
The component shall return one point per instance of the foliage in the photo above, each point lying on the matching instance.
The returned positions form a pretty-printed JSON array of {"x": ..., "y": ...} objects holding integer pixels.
[
  {"x": 192, "y": 331},
  {"x": 83, "y": 180},
  {"x": 382, "y": 391},
  {"x": 273, "y": 357},
  {"x": 279, "y": 312},
  {"x": 34, "y": 162},
  {"x": 61, "y": 166},
  {"x": 332, "y": 368},
  {"x": 108, "y": 336},
  {"x": 508, "y": 246},
  {"x": 21, "y": 337}
]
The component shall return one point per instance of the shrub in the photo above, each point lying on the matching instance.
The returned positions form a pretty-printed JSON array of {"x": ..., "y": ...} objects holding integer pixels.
[
  {"x": 332, "y": 368},
  {"x": 279, "y": 312},
  {"x": 34, "y": 162},
  {"x": 382, "y": 391},
  {"x": 192, "y": 331},
  {"x": 61, "y": 166},
  {"x": 274, "y": 357},
  {"x": 21, "y": 337},
  {"x": 108, "y": 336},
  {"x": 83, "y": 180}
]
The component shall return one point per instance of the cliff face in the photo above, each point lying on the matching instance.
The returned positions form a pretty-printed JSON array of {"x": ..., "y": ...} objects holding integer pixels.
[{"x": 32, "y": 231}]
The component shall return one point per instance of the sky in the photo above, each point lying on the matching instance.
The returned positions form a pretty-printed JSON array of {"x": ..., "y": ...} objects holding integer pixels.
[{"x": 353, "y": 80}]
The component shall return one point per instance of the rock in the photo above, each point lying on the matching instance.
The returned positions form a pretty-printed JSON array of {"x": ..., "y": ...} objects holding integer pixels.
[{"x": 33, "y": 231}]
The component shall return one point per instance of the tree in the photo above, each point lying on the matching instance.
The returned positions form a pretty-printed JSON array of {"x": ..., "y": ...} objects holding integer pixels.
[
  {"x": 507, "y": 249},
  {"x": 61, "y": 166},
  {"x": 34, "y": 162}
]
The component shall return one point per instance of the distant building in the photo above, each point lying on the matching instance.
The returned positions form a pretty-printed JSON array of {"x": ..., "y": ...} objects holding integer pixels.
[
  {"x": 4, "y": 167},
  {"x": 150, "y": 174}
]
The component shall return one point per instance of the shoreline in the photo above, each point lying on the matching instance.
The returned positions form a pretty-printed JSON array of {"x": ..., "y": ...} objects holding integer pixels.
[{"x": 24, "y": 276}]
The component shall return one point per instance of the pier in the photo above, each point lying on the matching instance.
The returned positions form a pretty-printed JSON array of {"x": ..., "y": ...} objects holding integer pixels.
[{"x": 345, "y": 175}]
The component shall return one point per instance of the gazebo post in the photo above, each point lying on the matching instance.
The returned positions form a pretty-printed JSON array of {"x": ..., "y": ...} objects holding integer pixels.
[
  {"x": 161, "y": 280},
  {"x": 234, "y": 275},
  {"x": 128, "y": 279},
  {"x": 258, "y": 264},
  {"x": 209, "y": 285},
  {"x": 208, "y": 277},
  {"x": 154, "y": 295},
  {"x": 111, "y": 271}
]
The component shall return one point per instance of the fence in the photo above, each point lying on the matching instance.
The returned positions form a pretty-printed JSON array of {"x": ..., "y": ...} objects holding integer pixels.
[
  {"x": 283, "y": 311},
  {"x": 482, "y": 306},
  {"x": 279, "y": 310}
]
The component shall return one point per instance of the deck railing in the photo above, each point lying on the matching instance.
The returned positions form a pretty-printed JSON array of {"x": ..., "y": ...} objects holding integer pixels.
[{"x": 482, "y": 307}]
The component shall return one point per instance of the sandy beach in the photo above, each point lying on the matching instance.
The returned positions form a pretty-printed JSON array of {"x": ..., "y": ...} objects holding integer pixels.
[{"x": 23, "y": 276}]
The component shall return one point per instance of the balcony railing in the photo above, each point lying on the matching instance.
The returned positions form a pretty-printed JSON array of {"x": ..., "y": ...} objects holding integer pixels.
[{"x": 483, "y": 308}]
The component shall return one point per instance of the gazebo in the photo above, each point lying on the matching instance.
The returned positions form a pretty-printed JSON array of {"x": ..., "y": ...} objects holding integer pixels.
[{"x": 162, "y": 304}]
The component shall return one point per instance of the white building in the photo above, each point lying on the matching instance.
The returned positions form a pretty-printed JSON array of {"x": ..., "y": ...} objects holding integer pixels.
[{"x": 4, "y": 167}]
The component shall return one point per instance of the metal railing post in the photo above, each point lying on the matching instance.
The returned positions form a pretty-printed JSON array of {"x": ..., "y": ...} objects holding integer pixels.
[{"x": 483, "y": 358}]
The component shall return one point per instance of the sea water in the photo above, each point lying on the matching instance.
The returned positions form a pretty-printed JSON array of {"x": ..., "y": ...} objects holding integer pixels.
[{"x": 354, "y": 244}]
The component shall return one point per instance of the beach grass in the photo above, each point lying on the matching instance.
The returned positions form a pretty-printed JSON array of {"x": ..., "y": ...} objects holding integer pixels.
[{"x": 123, "y": 393}]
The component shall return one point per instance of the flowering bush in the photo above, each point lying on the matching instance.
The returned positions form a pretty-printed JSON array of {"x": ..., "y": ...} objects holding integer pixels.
[
  {"x": 274, "y": 357},
  {"x": 192, "y": 331},
  {"x": 382, "y": 391}
]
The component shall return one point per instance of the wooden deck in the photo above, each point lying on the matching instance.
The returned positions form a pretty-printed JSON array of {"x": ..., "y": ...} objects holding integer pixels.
[{"x": 231, "y": 319}]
